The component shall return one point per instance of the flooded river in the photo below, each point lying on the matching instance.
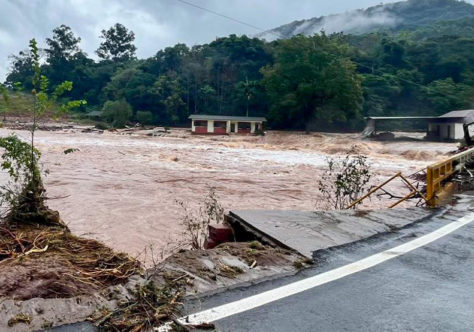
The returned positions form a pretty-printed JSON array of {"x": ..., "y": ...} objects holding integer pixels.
[{"x": 121, "y": 188}]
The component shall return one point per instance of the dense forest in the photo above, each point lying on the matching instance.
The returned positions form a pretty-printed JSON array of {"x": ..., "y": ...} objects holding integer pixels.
[{"x": 320, "y": 82}]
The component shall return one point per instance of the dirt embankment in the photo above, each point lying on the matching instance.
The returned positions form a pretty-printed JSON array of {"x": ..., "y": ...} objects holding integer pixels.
[
  {"x": 46, "y": 262},
  {"x": 49, "y": 277},
  {"x": 228, "y": 265}
]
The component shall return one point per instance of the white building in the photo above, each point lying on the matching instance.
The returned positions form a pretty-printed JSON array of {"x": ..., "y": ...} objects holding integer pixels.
[
  {"x": 445, "y": 127},
  {"x": 450, "y": 125},
  {"x": 222, "y": 124}
]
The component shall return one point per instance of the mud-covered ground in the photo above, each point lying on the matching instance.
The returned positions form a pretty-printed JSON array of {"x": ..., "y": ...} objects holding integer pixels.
[{"x": 121, "y": 187}]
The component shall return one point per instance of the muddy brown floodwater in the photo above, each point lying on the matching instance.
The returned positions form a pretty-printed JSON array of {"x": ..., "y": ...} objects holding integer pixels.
[{"x": 121, "y": 188}]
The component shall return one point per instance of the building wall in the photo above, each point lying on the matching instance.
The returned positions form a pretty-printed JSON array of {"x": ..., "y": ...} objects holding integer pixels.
[
  {"x": 200, "y": 130},
  {"x": 458, "y": 131},
  {"x": 447, "y": 130},
  {"x": 220, "y": 130},
  {"x": 209, "y": 127}
]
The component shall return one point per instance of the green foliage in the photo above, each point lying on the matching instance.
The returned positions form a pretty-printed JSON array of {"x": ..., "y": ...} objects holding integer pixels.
[
  {"x": 25, "y": 194},
  {"x": 63, "y": 46},
  {"x": 195, "y": 223},
  {"x": 144, "y": 117},
  {"x": 445, "y": 95},
  {"x": 44, "y": 99},
  {"x": 4, "y": 107},
  {"x": 16, "y": 158},
  {"x": 312, "y": 78},
  {"x": 345, "y": 180},
  {"x": 168, "y": 91},
  {"x": 425, "y": 67},
  {"x": 117, "y": 44},
  {"x": 16, "y": 161},
  {"x": 117, "y": 112}
]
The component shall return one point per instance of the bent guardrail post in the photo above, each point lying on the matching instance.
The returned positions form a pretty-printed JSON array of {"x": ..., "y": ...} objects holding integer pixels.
[{"x": 372, "y": 191}]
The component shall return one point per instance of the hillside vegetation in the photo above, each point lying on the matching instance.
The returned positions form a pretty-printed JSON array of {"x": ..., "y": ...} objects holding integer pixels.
[
  {"x": 19, "y": 105},
  {"x": 423, "y": 66},
  {"x": 390, "y": 18}
]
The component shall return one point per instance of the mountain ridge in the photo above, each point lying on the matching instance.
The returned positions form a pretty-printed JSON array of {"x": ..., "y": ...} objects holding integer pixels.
[{"x": 384, "y": 17}]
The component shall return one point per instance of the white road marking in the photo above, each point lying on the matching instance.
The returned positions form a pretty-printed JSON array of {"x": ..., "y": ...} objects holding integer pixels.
[{"x": 279, "y": 293}]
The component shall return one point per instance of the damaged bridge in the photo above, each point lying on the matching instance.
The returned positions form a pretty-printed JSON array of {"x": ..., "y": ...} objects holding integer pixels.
[{"x": 307, "y": 231}]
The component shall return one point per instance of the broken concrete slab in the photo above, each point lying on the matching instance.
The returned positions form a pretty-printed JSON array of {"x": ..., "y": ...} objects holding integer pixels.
[{"x": 309, "y": 231}]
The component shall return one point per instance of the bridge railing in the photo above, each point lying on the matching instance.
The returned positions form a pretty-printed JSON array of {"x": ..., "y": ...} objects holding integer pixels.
[
  {"x": 436, "y": 174},
  {"x": 442, "y": 170}
]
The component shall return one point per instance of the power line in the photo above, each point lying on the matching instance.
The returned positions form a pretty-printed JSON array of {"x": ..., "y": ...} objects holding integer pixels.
[
  {"x": 221, "y": 15},
  {"x": 279, "y": 36}
]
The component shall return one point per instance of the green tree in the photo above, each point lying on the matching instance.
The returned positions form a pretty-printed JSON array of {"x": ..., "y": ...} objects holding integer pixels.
[
  {"x": 118, "y": 44},
  {"x": 169, "y": 91},
  {"x": 247, "y": 89},
  {"x": 117, "y": 112},
  {"x": 63, "y": 58},
  {"x": 21, "y": 70},
  {"x": 312, "y": 78},
  {"x": 145, "y": 117},
  {"x": 63, "y": 46},
  {"x": 445, "y": 95},
  {"x": 134, "y": 85}
]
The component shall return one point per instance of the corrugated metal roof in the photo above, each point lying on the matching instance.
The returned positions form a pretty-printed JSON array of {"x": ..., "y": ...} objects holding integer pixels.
[
  {"x": 400, "y": 117},
  {"x": 226, "y": 118},
  {"x": 459, "y": 114}
]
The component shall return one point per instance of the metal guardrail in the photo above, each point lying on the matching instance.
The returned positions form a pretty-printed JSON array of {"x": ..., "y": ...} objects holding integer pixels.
[
  {"x": 435, "y": 175},
  {"x": 442, "y": 170},
  {"x": 413, "y": 191}
]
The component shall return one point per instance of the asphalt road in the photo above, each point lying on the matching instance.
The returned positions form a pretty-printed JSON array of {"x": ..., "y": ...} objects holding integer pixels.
[{"x": 428, "y": 289}]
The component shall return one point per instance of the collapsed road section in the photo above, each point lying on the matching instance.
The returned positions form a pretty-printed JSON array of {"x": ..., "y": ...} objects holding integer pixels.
[{"x": 309, "y": 231}]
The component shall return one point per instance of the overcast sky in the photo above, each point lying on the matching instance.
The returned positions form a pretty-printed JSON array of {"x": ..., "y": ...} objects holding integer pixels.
[{"x": 156, "y": 23}]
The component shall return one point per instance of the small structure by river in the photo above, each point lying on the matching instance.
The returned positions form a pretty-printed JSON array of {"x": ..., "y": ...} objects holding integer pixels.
[{"x": 223, "y": 124}]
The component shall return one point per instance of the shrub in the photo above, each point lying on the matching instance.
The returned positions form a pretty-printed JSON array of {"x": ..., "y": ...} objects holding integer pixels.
[
  {"x": 117, "y": 112},
  {"x": 345, "y": 180},
  {"x": 24, "y": 191},
  {"x": 145, "y": 117},
  {"x": 195, "y": 223}
]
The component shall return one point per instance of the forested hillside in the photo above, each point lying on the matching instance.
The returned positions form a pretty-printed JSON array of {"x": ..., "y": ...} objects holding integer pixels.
[
  {"x": 390, "y": 18},
  {"x": 326, "y": 81}
]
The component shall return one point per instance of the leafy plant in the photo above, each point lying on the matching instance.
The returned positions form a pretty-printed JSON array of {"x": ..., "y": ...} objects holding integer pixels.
[
  {"x": 25, "y": 194},
  {"x": 344, "y": 181},
  {"x": 16, "y": 161},
  {"x": 196, "y": 222}
]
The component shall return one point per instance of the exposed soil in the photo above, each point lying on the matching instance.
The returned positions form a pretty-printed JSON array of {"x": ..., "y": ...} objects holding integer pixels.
[
  {"x": 227, "y": 265},
  {"x": 52, "y": 287},
  {"x": 46, "y": 262}
]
